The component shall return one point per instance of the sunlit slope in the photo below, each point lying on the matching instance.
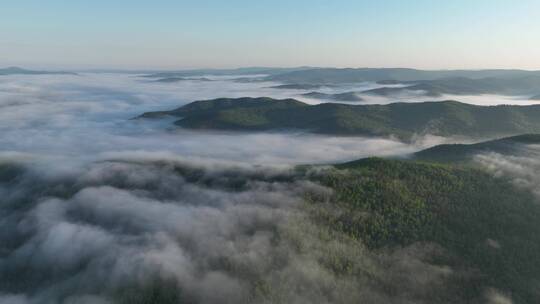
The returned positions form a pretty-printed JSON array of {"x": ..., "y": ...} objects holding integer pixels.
[{"x": 488, "y": 228}]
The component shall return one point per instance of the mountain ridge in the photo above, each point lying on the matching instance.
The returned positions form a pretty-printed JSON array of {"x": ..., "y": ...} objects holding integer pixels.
[
  {"x": 13, "y": 70},
  {"x": 403, "y": 120},
  {"x": 354, "y": 75},
  {"x": 448, "y": 153}
]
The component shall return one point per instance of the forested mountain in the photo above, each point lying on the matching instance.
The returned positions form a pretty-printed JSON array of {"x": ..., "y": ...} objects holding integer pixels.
[
  {"x": 486, "y": 230},
  {"x": 373, "y": 230},
  {"x": 515, "y": 145},
  {"x": 404, "y": 120}
]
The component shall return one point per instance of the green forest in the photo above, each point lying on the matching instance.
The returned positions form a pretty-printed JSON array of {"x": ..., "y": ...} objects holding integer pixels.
[{"x": 401, "y": 120}]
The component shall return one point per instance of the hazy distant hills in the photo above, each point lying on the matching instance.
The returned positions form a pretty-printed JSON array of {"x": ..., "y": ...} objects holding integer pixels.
[
  {"x": 347, "y": 96},
  {"x": 446, "y": 118},
  {"x": 337, "y": 76},
  {"x": 431, "y": 83},
  {"x": 179, "y": 79},
  {"x": 524, "y": 86},
  {"x": 21, "y": 71},
  {"x": 514, "y": 145},
  {"x": 297, "y": 86},
  {"x": 225, "y": 72},
  {"x": 463, "y": 86},
  {"x": 456, "y": 86}
]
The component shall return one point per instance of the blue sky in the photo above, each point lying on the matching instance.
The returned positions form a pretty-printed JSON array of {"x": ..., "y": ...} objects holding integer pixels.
[{"x": 189, "y": 34}]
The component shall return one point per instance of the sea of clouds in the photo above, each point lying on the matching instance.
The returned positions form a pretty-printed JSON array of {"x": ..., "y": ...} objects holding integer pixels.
[
  {"x": 98, "y": 208},
  {"x": 87, "y": 115}
]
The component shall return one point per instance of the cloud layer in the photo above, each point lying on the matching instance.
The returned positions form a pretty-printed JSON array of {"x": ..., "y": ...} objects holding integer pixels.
[
  {"x": 169, "y": 232},
  {"x": 97, "y": 208},
  {"x": 86, "y": 116},
  {"x": 522, "y": 169}
]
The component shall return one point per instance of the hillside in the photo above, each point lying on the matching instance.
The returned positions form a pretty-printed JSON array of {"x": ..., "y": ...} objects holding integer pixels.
[
  {"x": 448, "y": 118},
  {"x": 515, "y": 145},
  {"x": 478, "y": 221},
  {"x": 390, "y": 230}
]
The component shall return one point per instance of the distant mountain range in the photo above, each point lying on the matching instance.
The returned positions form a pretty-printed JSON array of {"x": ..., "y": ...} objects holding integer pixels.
[
  {"x": 528, "y": 85},
  {"x": 297, "y": 86},
  {"x": 339, "y": 76},
  {"x": 179, "y": 79},
  {"x": 403, "y": 120},
  {"x": 525, "y": 86},
  {"x": 347, "y": 96},
  {"x": 514, "y": 145},
  {"x": 21, "y": 71},
  {"x": 432, "y": 83},
  {"x": 225, "y": 72},
  {"x": 429, "y": 83}
]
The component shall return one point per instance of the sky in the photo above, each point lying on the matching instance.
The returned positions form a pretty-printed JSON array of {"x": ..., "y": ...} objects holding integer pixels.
[{"x": 167, "y": 34}]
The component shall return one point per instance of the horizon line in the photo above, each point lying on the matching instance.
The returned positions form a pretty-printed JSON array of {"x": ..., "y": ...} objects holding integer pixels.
[{"x": 306, "y": 67}]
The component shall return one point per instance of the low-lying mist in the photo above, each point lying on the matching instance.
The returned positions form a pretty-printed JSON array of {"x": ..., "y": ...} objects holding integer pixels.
[
  {"x": 86, "y": 116},
  {"x": 100, "y": 233},
  {"x": 98, "y": 208},
  {"x": 522, "y": 169},
  {"x": 143, "y": 231}
]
